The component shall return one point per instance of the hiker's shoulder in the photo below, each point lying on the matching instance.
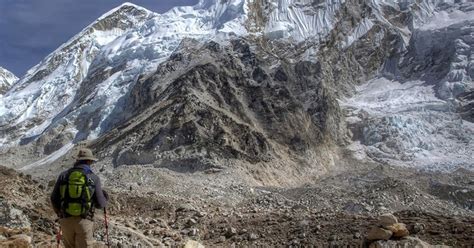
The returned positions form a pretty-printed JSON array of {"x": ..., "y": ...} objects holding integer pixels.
[
  {"x": 64, "y": 173},
  {"x": 94, "y": 176},
  {"x": 91, "y": 175}
]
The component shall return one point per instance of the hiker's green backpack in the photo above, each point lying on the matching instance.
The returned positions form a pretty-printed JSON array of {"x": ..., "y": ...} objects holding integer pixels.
[{"x": 76, "y": 192}]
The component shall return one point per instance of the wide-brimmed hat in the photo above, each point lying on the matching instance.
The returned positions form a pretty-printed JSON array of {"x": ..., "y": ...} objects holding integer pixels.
[{"x": 85, "y": 154}]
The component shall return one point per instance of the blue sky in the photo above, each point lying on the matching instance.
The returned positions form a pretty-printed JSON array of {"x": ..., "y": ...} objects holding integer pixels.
[{"x": 31, "y": 29}]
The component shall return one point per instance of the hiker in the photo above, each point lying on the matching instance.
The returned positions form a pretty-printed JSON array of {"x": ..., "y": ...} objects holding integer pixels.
[{"x": 76, "y": 193}]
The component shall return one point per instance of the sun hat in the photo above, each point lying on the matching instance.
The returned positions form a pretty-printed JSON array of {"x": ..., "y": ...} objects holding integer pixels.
[{"x": 85, "y": 154}]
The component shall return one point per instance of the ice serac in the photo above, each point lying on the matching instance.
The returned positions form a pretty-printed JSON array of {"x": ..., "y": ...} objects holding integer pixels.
[
  {"x": 7, "y": 79},
  {"x": 419, "y": 111},
  {"x": 300, "y": 20},
  {"x": 49, "y": 87}
]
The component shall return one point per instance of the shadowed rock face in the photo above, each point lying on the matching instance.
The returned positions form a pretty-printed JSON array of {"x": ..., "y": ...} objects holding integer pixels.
[
  {"x": 466, "y": 107},
  {"x": 224, "y": 102}
]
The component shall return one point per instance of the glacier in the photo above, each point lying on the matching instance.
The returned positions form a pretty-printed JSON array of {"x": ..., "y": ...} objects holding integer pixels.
[
  {"x": 410, "y": 118},
  {"x": 407, "y": 125}
]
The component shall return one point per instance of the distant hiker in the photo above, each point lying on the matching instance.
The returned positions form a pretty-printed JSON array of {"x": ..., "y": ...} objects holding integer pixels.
[{"x": 76, "y": 193}]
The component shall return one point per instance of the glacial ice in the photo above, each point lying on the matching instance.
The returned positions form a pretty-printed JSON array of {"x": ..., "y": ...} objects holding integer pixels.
[
  {"x": 406, "y": 124},
  {"x": 443, "y": 19}
]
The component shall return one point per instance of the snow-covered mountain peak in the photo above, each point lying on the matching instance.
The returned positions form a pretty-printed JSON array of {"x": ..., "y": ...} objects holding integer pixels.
[
  {"x": 207, "y": 4},
  {"x": 100, "y": 32},
  {"x": 7, "y": 79},
  {"x": 50, "y": 86}
]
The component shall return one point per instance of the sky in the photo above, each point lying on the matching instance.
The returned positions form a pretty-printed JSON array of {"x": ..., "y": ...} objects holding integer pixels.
[{"x": 31, "y": 29}]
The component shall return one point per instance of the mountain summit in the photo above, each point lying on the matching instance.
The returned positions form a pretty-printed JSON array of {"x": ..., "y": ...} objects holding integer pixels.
[{"x": 50, "y": 86}]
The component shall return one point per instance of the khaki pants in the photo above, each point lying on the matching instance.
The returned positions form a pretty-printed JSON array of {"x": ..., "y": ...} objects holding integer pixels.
[{"x": 77, "y": 232}]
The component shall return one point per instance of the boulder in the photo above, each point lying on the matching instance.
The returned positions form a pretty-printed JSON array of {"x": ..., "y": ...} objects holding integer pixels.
[
  {"x": 387, "y": 220},
  {"x": 417, "y": 228},
  {"x": 23, "y": 237},
  {"x": 231, "y": 231},
  {"x": 406, "y": 242},
  {"x": 378, "y": 233},
  {"x": 13, "y": 231},
  {"x": 193, "y": 244},
  {"x": 253, "y": 236},
  {"x": 399, "y": 230}
]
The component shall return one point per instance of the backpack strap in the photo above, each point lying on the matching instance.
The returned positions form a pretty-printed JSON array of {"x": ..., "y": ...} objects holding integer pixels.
[
  {"x": 65, "y": 198},
  {"x": 91, "y": 185}
]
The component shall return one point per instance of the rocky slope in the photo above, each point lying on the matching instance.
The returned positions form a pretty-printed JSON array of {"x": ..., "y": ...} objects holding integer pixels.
[{"x": 7, "y": 79}]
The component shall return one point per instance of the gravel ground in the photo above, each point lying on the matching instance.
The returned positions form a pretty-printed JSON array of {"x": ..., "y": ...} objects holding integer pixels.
[{"x": 337, "y": 210}]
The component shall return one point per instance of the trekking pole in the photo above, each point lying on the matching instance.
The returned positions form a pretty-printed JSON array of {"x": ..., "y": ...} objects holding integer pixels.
[
  {"x": 106, "y": 227},
  {"x": 58, "y": 236}
]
